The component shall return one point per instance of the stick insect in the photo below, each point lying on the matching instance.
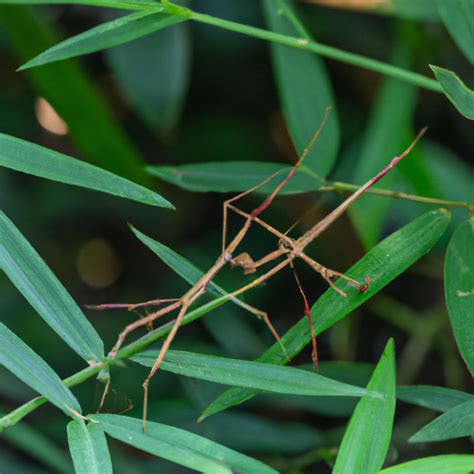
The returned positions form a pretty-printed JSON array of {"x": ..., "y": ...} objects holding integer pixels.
[{"x": 288, "y": 251}]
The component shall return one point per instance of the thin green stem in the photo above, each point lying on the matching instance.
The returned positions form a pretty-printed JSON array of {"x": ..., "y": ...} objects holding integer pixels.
[{"x": 306, "y": 44}]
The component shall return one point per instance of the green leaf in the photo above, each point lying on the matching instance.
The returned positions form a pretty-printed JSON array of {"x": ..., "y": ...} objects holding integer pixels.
[
  {"x": 304, "y": 89},
  {"x": 435, "y": 398},
  {"x": 73, "y": 96},
  {"x": 179, "y": 446},
  {"x": 367, "y": 437},
  {"x": 242, "y": 373},
  {"x": 383, "y": 263},
  {"x": 390, "y": 117},
  {"x": 20, "y": 155},
  {"x": 29, "y": 367},
  {"x": 40, "y": 287},
  {"x": 88, "y": 447},
  {"x": 235, "y": 176},
  {"x": 459, "y": 289},
  {"x": 106, "y": 35},
  {"x": 458, "y": 17},
  {"x": 153, "y": 73},
  {"x": 443, "y": 464},
  {"x": 456, "y": 91},
  {"x": 124, "y": 4},
  {"x": 455, "y": 423}
]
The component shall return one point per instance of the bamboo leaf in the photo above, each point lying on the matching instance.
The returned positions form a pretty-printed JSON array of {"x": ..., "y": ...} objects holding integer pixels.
[
  {"x": 455, "y": 423},
  {"x": 443, "y": 464},
  {"x": 29, "y": 367},
  {"x": 456, "y": 91},
  {"x": 304, "y": 89},
  {"x": 235, "y": 176},
  {"x": 459, "y": 289},
  {"x": 38, "y": 284},
  {"x": 367, "y": 437},
  {"x": 106, "y": 35},
  {"x": 435, "y": 398},
  {"x": 179, "y": 446},
  {"x": 383, "y": 263},
  {"x": 20, "y": 155},
  {"x": 458, "y": 17},
  {"x": 88, "y": 447},
  {"x": 242, "y": 373}
]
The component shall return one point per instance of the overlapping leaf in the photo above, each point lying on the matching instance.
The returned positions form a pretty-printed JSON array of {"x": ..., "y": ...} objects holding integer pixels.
[{"x": 443, "y": 464}]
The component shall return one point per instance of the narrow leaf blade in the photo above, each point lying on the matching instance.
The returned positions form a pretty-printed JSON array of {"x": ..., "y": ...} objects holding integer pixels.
[
  {"x": 456, "y": 91},
  {"x": 20, "y": 155},
  {"x": 242, "y": 373},
  {"x": 459, "y": 289},
  {"x": 179, "y": 446},
  {"x": 88, "y": 447},
  {"x": 367, "y": 437},
  {"x": 443, "y": 464},
  {"x": 383, "y": 263},
  {"x": 40, "y": 287},
  {"x": 29, "y": 367}
]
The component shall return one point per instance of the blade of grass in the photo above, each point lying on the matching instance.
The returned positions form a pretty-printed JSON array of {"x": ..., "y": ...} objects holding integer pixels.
[
  {"x": 442, "y": 464},
  {"x": 455, "y": 423},
  {"x": 242, "y": 373},
  {"x": 20, "y": 155},
  {"x": 122, "y": 4},
  {"x": 88, "y": 447},
  {"x": 40, "y": 287},
  {"x": 106, "y": 35},
  {"x": 29, "y": 367},
  {"x": 459, "y": 289},
  {"x": 367, "y": 436},
  {"x": 304, "y": 89},
  {"x": 179, "y": 446},
  {"x": 383, "y": 263}
]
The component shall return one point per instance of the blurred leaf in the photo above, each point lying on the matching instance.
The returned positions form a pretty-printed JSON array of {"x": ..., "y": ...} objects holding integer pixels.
[
  {"x": 456, "y": 91},
  {"x": 88, "y": 447},
  {"x": 115, "y": 32},
  {"x": 179, "y": 446},
  {"x": 435, "y": 398},
  {"x": 37, "y": 446},
  {"x": 235, "y": 176},
  {"x": 383, "y": 263},
  {"x": 459, "y": 289},
  {"x": 242, "y": 373},
  {"x": 458, "y": 17},
  {"x": 20, "y": 155},
  {"x": 153, "y": 72},
  {"x": 124, "y": 4},
  {"x": 367, "y": 436},
  {"x": 390, "y": 117},
  {"x": 40, "y": 287},
  {"x": 68, "y": 89},
  {"x": 28, "y": 366},
  {"x": 304, "y": 89},
  {"x": 455, "y": 423},
  {"x": 443, "y": 464}
]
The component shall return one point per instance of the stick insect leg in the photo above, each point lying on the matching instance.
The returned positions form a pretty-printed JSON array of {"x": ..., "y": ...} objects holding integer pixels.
[{"x": 131, "y": 306}]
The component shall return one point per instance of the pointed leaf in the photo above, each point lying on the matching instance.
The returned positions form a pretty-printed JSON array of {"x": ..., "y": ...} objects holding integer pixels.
[
  {"x": 459, "y": 289},
  {"x": 458, "y": 17},
  {"x": 20, "y": 155},
  {"x": 38, "y": 284},
  {"x": 304, "y": 89},
  {"x": 88, "y": 447},
  {"x": 29, "y": 367},
  {"x": 235, "y": 176},
  {"x": 435, "y": 398},
  {"x": 112, "y": 33},
  {"x": 456, "y": 91},
  {"x": 242, "y": 373},
  {"x": 443, "y": 464},
  {"x": 383, "y": 263},
  {"x": 455, "y": 423},
  {"x": 367, "y": 437},
  {"x": 179, "y": 446}
]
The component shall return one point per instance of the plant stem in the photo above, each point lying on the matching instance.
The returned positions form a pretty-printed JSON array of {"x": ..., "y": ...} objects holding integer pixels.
[{"x": 306, "y": 44}]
